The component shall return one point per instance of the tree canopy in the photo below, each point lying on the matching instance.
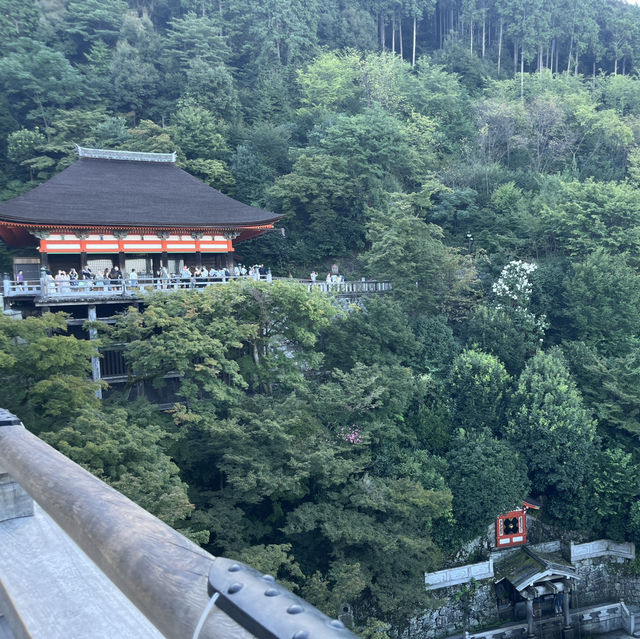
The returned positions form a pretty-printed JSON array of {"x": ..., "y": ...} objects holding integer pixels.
[{"x": 482, "y": 157}]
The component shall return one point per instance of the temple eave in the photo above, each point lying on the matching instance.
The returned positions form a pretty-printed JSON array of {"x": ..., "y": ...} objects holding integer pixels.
[{"x": 134, "y": 227}]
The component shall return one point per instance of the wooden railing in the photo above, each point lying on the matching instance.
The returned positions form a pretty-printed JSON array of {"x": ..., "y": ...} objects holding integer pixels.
[{"x": 168, "y": 578}]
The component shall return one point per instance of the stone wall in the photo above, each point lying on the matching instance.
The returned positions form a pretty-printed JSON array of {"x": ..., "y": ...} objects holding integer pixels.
[
  {"x": 466, "y": 607},
  {"x": 629, "y": 589},
  {"x": 472, "y": 606},
  {"x": 604, "y": 579}
]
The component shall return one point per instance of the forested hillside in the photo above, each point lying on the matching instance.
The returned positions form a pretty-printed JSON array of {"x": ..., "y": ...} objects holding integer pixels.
[{"x": 483, "y": 156}]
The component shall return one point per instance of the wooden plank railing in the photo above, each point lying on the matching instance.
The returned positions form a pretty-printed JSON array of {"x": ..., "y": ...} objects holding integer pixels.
[{"x": 168, "y": 578}]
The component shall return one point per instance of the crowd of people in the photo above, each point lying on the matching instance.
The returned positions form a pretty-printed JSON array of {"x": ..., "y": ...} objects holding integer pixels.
[
  {"x": 114, "y": 279},
  {"x": 332, "y": 278},
  {"x": 256, "y": 272}
]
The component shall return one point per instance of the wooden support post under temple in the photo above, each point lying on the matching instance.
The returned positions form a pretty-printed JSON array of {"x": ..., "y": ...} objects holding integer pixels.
[{"x": 95, "y": 360}]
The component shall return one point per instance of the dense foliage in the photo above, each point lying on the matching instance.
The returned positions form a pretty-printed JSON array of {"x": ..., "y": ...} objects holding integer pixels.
[{"x": 482, "y": 155}]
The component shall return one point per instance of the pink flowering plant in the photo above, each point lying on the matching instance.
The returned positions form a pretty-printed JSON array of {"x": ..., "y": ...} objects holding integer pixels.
[{"x": 350, "y": 434}]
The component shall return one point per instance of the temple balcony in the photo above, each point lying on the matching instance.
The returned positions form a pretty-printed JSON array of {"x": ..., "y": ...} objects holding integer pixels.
[{"x": 65, "y": 293}]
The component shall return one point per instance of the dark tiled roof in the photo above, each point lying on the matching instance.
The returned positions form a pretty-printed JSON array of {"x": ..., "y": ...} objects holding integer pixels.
[
  {"x": 118, "y": 192},
  {"x": 523, "y": 567}
]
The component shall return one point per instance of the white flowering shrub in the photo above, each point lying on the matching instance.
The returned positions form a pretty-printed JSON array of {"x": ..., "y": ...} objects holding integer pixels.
[
  {"x": 513, "y": 293},
  {"x": 513, "y": 287}
]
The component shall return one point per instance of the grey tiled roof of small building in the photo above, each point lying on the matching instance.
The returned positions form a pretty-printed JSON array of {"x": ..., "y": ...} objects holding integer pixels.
[
  {"x": 95, "y": 191},
  {"x": 523, "y": 566}
]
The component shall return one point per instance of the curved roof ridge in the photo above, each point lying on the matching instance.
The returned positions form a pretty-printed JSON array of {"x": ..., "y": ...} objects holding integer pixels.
[{"x": 135, "y": 156}]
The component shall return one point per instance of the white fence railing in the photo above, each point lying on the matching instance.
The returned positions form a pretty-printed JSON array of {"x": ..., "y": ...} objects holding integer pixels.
[
  {"x": 104, "y": 287},
  {"x": 513, "y": 631},
  {"x": 596, "y": 619},
  {"x": 628, "y": 619},
  {"x": 602, "y": 548},
  {"x": 356, "y": 287},
  {"x": 460, "y": 575}
]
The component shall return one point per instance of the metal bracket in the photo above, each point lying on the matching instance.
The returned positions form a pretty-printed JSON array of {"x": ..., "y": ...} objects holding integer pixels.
[{"x": 265, "y": 608}]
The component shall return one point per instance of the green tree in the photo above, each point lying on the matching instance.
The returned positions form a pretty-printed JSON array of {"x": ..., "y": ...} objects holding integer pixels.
[
  {"x": 602, "y": 297},
  {"x": 507, "y": 328},
  {"x": 322, "y": 204},
  {"x": 135, "y": 81},
  {"x": 20, "y": 21},
  {"x": 375, "y": 144},
  {"x": 150, "y": 137},
  {"x": 487, "y": 477},
  {"x": 410, "y": 253},
  {"x": 384, "y": 523},
  {"x": 196, "y": 37},
  {"x": 416, "y": 10},
  {"x": 616, "y": 488},
  {"x": 199, "y": 133},
  {"x": 276, "y": 32},
  {"x": 330, "y": 82},
  {"x": 387, "y": 82},
  {"x": 479, "y": 389},
  {"x": 350, "y": 508},
  {"x": 124, "y": 446},
  {"x": 438, "y": 346},
  {"x": 384, "y": 336},
  {"x": 92, "y": 21},
  {"x": 38, "y": 79},
  {"x": 45, "y": 372},
  {"x": 444, "y": 98},
  {"x": 577, "y": 218},
  {"x": 555, "y": 435},
  {"x": 274, "y": 326},
  {"x": 511, "y": 335},
  {"x": 44, "y": 156},
  {"x": 23, "y": 146},
  {"x": 251, "y": 175},
  {"x": 610, "y": 387},
  {"x": 213, "y": 88}
]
